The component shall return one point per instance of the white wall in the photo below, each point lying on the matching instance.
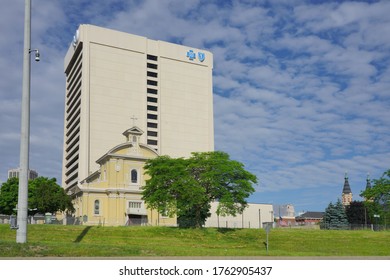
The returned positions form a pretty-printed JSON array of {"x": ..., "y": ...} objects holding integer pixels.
[{"x": 253, "y": 217}]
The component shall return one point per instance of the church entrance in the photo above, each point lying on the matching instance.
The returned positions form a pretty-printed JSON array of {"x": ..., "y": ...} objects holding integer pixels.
[{"x": 136, "y": 220}]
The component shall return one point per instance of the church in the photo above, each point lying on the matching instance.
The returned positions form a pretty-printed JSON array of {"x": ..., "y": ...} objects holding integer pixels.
[{"x": 112, "y": 195}]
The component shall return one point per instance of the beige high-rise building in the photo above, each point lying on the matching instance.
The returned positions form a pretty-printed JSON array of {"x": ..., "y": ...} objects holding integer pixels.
[{"x": 116, "y": 80}]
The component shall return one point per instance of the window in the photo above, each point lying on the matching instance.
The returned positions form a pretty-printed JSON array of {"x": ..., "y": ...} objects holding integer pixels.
[
  {"x": 135, "y": 204},
  {"x": 152, "y": 83},
  {"x": 152, "y": 125},
  {"x": 152, "y": 117},
  {"x": 152, "y": 99},
  {"x": 152, "y": 74},
  {"x": 134, "y": 176},
  {"x": 152, "y": 108},
  {"x": 151, "y": 65},
  {"x": 151, "y": 57},
  {"x": 152, "y": 133},
  {"x": 152, "y": 142},
  {"x": 97, "y": 207},
  {"x": 152, "y": 90}
]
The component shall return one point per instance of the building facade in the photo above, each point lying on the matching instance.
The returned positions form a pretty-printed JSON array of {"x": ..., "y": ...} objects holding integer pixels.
[
  {"x": 310, "y": 218},
  {"x": 116, "y": 80},
  {"x": 32, "y": 174},
  {"x": 252, "y": 217}
]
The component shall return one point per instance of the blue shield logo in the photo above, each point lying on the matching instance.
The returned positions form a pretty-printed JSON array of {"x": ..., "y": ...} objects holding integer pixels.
[{"x": 201, "y": 56}]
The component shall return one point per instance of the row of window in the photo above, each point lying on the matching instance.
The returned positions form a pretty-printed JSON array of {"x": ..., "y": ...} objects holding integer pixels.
[
  {"x": 152, "y": 115},
  {"x": 72, "y": 113},
  {"x": 132, "y": 204},
  {"x": 133, "y": 176}
]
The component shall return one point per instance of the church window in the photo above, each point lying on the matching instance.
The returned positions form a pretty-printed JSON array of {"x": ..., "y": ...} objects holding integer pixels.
[
  {"x": 135, "y": 204},
  {"x": 134, "y": 176},
  {"x": 97, "y": 207}
]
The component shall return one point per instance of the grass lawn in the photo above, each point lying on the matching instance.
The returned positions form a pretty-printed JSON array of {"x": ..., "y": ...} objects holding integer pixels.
[{"x": 83, "y": 241}]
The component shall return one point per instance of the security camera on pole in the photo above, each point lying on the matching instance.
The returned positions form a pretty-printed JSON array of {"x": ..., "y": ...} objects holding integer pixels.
[{"x": 22, "y": 210}]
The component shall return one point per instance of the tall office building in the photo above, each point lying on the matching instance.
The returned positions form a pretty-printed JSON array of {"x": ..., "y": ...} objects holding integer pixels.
[{"x": 116, "y": 80}]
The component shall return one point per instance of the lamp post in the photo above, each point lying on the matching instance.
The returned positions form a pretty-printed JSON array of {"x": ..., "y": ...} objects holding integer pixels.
[
  {"x": 22, "y": 211},
  {"x": 376, "y": 216}
]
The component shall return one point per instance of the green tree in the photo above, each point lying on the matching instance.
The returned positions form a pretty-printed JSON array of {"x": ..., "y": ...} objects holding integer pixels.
[
  {"x": 379, "y": 197},
  {"x": 44, "y": 195},
  {"x": 357, "y": 213},
  {"x": 186, "y": 187},
  {"x": 9, "y": 196},
  {"x": 335, "y": 216}
]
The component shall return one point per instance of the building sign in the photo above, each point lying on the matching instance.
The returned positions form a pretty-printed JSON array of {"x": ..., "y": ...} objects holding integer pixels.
[
  {"x": 192, "y": 55},
  {"x": 76, "y": 38}
]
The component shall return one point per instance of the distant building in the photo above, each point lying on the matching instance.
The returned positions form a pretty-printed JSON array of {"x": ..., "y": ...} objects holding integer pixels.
[
  {"x": 346, "y": 197},
  {"x": 252, "y": 217},
  {"x": 284, "y": 215},
  {"x": 368, "y": 187},
  {"x": 309, "y": 218},
  {"x": 32, "y": 174}
]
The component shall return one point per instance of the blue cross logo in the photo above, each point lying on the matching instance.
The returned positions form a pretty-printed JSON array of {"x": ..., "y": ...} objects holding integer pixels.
[{"x": 191, "y": 55}]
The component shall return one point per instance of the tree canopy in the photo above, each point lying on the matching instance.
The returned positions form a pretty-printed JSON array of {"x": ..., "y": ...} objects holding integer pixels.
[
  {"x": 378, "y": 197},
  {"x": 335, "y": 216},
  {"x": 357, "y": 213},
  {"x": 186, "y": 187},
  {"x": 44, "y": 195},
  {"x": 9, "y": 196},
  {"x": 380, "y": 191}
]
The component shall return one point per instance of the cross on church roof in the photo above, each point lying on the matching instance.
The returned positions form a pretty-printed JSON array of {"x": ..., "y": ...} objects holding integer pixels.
[{"x": 134, "y": 119}]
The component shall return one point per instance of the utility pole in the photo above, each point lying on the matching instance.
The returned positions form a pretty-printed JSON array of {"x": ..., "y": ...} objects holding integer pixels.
[{"x": 21, "y": 233}]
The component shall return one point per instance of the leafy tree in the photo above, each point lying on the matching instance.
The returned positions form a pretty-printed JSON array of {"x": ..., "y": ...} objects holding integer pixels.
[
  {"x": 357, "y": 213},
  {"x": 379, "y": 194},
  {"x": 44, "y": 195},
  {"x": 186, "y": 187},
  {"x": 335, "y": 216},
  {"x": 9, "y": 196}
]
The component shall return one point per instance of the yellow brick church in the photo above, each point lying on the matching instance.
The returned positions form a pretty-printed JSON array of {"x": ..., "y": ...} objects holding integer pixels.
[{"x": 112, "y": 195}]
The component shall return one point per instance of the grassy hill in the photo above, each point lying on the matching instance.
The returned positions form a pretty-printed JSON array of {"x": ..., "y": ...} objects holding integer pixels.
[{"x": 83, "y": 241}]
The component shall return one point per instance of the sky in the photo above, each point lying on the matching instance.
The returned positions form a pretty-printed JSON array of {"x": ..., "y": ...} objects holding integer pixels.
[{"x": 301, "y": 88}]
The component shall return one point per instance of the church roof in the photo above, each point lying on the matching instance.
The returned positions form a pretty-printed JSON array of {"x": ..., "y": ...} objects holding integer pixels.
[
  {"x": 135, "y": 130},
  {"x": 346, "y": 188},
  {"x": 311, "y": 215}
]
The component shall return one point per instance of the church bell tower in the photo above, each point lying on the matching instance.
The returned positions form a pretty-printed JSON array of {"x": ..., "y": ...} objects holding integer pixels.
[{"x": 346, "y": 196}]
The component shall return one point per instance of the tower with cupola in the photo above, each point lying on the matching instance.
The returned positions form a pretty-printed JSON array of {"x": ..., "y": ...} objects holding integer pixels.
[{"x": 346, "y": 197}]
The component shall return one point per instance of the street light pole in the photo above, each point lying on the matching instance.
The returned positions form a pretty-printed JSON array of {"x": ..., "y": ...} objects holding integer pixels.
[{"x": 21, "y": 233}]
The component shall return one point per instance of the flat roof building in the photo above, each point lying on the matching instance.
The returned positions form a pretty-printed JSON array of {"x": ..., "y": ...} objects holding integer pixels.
[
  {"x": 116, "y": 80},
  {"x": 32, "y": 174}
]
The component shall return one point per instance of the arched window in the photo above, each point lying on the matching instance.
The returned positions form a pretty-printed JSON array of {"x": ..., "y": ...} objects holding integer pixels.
[
  {"x": 97, "y": 207},
  {"x": 134, "y": 176}
]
